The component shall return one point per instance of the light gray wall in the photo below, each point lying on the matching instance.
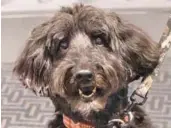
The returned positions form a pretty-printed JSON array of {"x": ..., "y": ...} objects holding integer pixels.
[{"x": 16, "y": 30}]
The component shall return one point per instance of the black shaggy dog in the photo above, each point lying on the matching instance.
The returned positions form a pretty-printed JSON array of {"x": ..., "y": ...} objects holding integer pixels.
[{"x": 87, "y": 57}]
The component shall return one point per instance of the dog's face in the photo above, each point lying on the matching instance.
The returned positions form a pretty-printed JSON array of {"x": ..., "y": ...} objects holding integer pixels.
[
  {"x": 82, "y": 54},
  {"x": 87, "y": 70}
]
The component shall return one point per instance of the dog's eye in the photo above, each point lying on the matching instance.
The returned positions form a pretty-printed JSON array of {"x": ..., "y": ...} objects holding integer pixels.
[
  {"x": 98, "y": 40},
  {"x": 64, "y": 44}
]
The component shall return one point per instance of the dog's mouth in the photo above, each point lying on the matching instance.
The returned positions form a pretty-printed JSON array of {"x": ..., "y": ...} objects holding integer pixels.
[{"x": 88, "y": 92}]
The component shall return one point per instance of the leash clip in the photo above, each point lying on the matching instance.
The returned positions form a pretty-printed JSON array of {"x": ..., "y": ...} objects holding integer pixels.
[{"x": 135, "y": 97}]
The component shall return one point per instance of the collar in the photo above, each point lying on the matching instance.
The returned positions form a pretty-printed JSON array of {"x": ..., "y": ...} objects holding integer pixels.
[
  {"x": 69, "y": 123},
  {"x": 122, "y": 121}
]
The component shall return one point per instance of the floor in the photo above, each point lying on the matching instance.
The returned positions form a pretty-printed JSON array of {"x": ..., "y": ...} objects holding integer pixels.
[{"x": 21, "y": 109}]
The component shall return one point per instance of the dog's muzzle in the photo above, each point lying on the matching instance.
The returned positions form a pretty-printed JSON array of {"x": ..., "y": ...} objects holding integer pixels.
[{"x": 84, "y": 79}]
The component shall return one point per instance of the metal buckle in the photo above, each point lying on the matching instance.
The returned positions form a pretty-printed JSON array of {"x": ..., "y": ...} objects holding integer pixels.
[{"x": 135, "y": 96}]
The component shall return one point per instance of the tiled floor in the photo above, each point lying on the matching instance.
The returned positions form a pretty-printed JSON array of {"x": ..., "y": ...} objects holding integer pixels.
[{"x": 21, "y": 109}]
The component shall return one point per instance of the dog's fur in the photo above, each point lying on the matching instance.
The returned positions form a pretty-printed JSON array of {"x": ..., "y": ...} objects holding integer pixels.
[{"x": 85, "y": 37}]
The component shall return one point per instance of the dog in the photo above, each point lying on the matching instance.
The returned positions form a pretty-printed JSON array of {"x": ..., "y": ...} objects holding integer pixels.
[{"x": 87, "y": 57}]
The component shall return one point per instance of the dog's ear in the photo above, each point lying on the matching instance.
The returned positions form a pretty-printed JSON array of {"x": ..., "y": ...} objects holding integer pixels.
[
  {"x": 135, "y": 47},
  {"x": 34, "y": 64}
]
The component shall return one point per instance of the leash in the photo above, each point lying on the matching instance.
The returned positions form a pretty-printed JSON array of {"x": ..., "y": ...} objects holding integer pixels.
[{"x": 143, "y": 89}]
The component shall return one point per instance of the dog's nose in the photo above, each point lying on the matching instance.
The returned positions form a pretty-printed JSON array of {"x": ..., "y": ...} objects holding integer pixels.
[
  {"x": 84, "y": 79},
  {"x": 84, "y": 76}
]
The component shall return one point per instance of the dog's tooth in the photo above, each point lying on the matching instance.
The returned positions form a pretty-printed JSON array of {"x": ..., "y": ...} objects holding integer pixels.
[
  {"x": 88, "y": 95},
  {"x": 80, "y": 92},
  {"x": 94, "y": 90},
  {"x": 85, "y": 96}
]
